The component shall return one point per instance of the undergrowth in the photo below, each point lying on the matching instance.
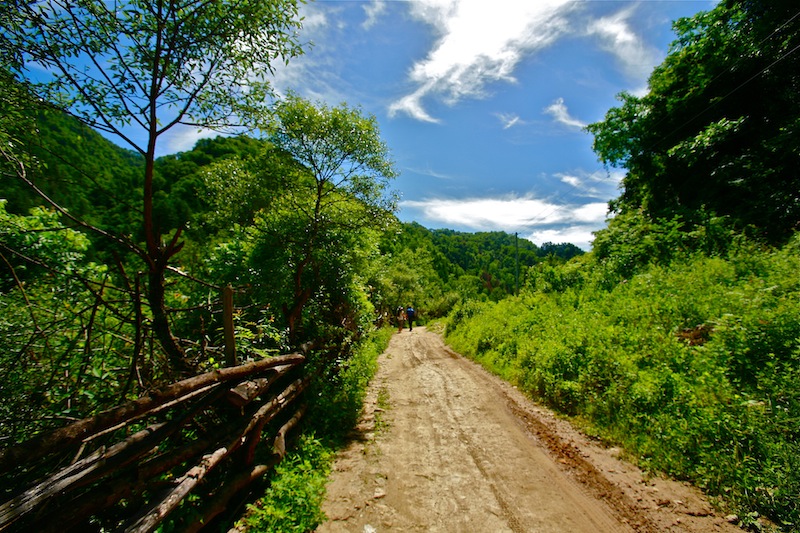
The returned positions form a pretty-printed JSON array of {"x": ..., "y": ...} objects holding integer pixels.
[
  {"x": 293, "y": 501},
  {"x": 693, "y": 366}
]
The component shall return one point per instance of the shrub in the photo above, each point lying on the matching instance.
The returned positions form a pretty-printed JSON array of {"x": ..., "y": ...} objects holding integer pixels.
[{"x": 691, "y": 364}]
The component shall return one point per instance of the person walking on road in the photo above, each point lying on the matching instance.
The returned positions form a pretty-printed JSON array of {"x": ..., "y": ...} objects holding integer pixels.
[
  {"x": 400, "y": 317},
  {"x": 411, "y": 315}
]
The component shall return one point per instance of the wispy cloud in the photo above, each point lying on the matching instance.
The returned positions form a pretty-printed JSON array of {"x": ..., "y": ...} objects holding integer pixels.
[
  {"x": 616, "y": 36},
  {"x": 600, "y": 185},
  {"x": 315, "y": 76},
  {"x": 183, "y": 138},
  {"x": 373, "y": 10},
  {"x": 558, "y": 110},
  {"x": 412, "y": 106},
  {"x": 430, "y": 172},
  {"x": 479, "y": 43},
  {"x": 509, "y": 120}
]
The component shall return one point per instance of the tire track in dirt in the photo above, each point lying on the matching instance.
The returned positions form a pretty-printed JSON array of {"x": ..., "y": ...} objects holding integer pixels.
[{"x": 466, "y": 452}]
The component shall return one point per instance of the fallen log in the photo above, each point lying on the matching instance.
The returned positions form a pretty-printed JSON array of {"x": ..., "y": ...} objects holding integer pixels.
[
  {"x": 247, "y": 391},
  {"x": 220, "y": 500},
  {"x": 97, "y": 465},
  {"x": 70, "y": 476},
  {"x": 73, "y": 513}
]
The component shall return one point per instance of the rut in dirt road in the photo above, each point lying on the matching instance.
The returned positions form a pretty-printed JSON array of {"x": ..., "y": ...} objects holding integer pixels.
[{"x": 461, "y": 451}]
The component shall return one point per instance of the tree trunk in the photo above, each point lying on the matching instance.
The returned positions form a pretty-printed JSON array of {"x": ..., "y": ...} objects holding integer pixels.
[{"x": 161, "y": 326}]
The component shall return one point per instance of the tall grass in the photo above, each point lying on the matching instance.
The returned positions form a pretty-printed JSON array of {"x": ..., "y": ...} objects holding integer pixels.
[{"x": 693, "y": 367}]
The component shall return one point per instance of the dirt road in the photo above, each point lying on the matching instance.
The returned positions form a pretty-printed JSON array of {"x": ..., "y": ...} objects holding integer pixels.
[{"x": 444, "y": 446}]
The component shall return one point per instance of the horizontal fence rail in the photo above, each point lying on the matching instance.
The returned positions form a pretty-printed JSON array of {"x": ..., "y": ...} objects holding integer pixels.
[{"x": 128, "y": 468}]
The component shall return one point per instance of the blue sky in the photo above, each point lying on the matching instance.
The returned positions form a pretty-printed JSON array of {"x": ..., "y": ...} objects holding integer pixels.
[{"x": 482, "y": 104}]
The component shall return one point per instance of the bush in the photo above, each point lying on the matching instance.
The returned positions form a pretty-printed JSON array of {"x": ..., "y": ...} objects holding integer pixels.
[
  {"x": 297, "y": 487},
  {"x": 294, "y": 499},
  {"x": 692, "y": 365}
]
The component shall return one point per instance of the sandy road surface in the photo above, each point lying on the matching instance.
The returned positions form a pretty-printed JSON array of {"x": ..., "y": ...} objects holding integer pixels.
[{"x": 457, "y": 450}]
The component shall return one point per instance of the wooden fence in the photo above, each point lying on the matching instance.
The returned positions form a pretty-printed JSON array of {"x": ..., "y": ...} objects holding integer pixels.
[{"x": 128, "y": 468}]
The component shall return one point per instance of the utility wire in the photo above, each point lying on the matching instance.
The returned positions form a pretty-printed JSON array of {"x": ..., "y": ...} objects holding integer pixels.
[{"x": 726, "y": 71}]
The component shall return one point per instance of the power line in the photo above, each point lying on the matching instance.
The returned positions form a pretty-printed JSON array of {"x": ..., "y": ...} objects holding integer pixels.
[{"x": 730, "y": 69}]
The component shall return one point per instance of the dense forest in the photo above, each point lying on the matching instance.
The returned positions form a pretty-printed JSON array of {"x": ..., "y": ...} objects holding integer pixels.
[{"x": 677, "y": 337}]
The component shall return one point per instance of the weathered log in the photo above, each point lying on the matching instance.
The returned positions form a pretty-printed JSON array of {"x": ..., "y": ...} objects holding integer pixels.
[
  {"x": 128, "y": 482},
  {"x": 60, "y": 438},
  {"x": 75, "y": 474},
  {"x": 249, "y": 390},
  {"x": 227, "y": 326},
  {"x": 73, "y": 513},
  {"x": 279, "y": 444},
  {"x": 219, "y": 502},
  {"x": 98, "y": 464},
  {"x": 267, "y": 413},
  {"x": 151, "y": 412},
  {"x": 149, "y": 519}
]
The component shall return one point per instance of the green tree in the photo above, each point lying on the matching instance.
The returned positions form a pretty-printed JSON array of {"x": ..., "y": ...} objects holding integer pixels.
[
  {"x": 338, "y": 191},
  {"x": 718, "y": 128},
  {"x": 136, "y": 69}
]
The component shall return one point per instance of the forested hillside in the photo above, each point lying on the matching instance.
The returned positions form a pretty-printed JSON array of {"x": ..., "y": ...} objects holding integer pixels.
[{"x": 678, "y": 336}]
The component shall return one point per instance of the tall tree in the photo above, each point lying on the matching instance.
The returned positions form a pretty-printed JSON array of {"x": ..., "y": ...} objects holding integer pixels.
[
  {"x": 340, "y": 189},
  {"x": 136, "y": 69},
  {"x": 718, "y": 129}
]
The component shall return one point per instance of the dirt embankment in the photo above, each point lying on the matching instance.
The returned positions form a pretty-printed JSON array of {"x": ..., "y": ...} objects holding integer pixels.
[{"x": 458, "y": 450}]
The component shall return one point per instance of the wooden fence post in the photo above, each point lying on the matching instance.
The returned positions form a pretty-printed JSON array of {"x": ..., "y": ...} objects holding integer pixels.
[{"x": 227, "y": 318}]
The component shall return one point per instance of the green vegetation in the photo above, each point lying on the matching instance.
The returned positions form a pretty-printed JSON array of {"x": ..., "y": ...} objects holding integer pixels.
[
  {"x": 678, "y": 336},
  {"x": 293, "y": 501},
  {"x": 297, "y": 488},
  {"x": 692, "y": 367},
  {"x": 717, "y": 131},
  {"x": 435, "y": 269}
]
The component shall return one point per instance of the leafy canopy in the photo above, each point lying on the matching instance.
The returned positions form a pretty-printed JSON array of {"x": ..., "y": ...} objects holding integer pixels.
[
  {"x": 719, "y": 127},
  {"x": 156, "y": 64}
]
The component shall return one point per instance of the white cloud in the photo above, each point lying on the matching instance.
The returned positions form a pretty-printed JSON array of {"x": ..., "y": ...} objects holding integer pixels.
[
  {"x": 589, "y": 213},
  {"x": 541, "y": 220},
  {"x": 616, "y": 37},
  {"x": 183, "y": 138},
  {"x": 509, "y": 120},
  {"x": 315, "y": 75},
  {"x": 580, "y": 236},
  {"x": 373, "y": 10},
  {"x": 509, "y": 213},
  {"x": 601, "y": 184},
  {"x": 412, "y": 106},
  {"x": 487, "y": 213},
  {"x": 558, "y": 110},
  {"x": 479, "y": 43},
  {"x": 571, "y": 180}
]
